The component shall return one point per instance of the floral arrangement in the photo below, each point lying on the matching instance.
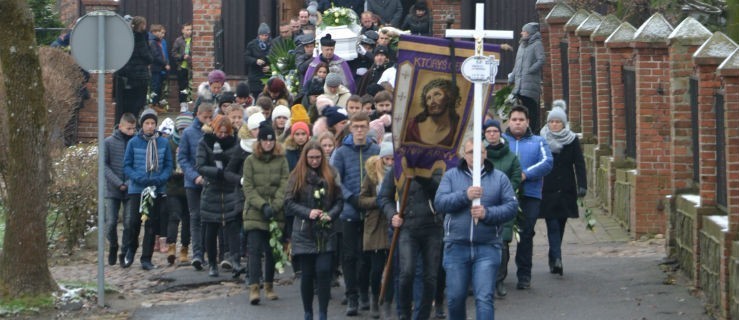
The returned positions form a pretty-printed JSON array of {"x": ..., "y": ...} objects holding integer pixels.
[
  {"x": 147, "y": 202},
  {"x": 275, "y": 242},
  {"x": 323, "y": 227},
  {"x": 338, "y": 16},
  {"x": 282, "y": 63}
]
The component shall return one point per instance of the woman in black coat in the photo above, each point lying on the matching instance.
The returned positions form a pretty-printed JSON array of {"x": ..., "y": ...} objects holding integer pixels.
[
  {"x": 220, "y": 196},
  {"x": 313, "y": 195},
  {"x": 132, "y": 81},
  {"x": 564, "y": 184}
]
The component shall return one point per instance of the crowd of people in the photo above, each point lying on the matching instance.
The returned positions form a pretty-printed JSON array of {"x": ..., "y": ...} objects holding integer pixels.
[{"x": 254, "y": 173}]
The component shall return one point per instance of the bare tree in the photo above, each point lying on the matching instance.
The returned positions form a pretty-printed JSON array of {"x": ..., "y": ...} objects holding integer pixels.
[{"x": 24, "y": 270}]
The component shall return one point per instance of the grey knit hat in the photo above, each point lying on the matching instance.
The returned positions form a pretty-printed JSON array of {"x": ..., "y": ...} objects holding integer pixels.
[
  {"x": 531, "y": 27},
  {"x": 333, "y": 80},
  {"x": 558, "y": 112},
  {"x": 148, "y": 113},
  {"x": 263, "y": 29}
]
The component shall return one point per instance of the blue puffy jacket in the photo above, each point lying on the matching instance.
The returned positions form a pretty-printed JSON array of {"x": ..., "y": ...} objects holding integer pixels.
[
  {"x": 349, "y": 161},
  {"x": 498, "y": 198},
  {"x": 188, "y": 151},
  {"x": 535, "y": 158},
  {"x": 134, "y": 165}
]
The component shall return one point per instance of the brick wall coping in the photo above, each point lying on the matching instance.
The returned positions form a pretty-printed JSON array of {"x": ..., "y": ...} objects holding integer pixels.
[
  {"x": 655, "y": 29},
  {"x": 689, "y": 32},
  {"x": 715, "y": 50},
  {"x": 730, "y": 66},
  {"x": 587, "y": 27},
  {"x": 561, "y": 13},
  {"x": 576, "y": 20},
  {"x": 112, "y": 3},
  {"x": 545, "y": 4},
  {"x": 622, "y": 36},
  {"x": 607, "y": 25}
]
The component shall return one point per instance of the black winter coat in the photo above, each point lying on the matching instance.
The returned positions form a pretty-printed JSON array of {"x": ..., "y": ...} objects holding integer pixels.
[
  {"x": 559, "y": 195},
  {"x": 220, "y": 196},
  {"x": 300, "y": 204},
  {"x": 137, "y": 67},
  {"x": 418, "y": 25},
  {"x": 255, "y": 74},
  {"x": 419, "y": 211}
]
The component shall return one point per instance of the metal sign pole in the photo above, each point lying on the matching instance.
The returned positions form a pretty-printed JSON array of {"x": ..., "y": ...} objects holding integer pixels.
[{"x": 101, "y": 159}]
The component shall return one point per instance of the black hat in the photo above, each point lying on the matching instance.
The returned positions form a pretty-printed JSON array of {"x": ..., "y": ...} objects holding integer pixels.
[
  {"x": 305, "y": 39},
  {"x": 148, "y": 113},
  {"x": 380, "y": 50},
  {"x": 242, "y": 90},
  {"x": 227, "y": 97},
  {"x": 266, "y": 133},
  {"x": 421, "y": 5},
  {"x": 372, "y": 34},
  {"x": 326, "y": 41},
  {"x": 316, "y": 87},
  {"x": 374, "y": 88}
]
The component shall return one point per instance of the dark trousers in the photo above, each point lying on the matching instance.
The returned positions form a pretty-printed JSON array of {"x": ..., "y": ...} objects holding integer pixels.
[
  {"x": 534, "y": 118},
  {"x": 258, "y": 244},
  {"x": 183, "y": 83},
  {"x": 193, "y": 204},
  {"x": 555, "y": 234},
  {"x": 112, "y": 209},
  {"x": 427, "y": 241},
  {"x": 163, "y": 218},
  {"x": 156, "y": 86},
  {"x": 354, "y": 263},
  {"x": 132, "y": 226},
  {"x": 316, "y": 268},
  {"x": 505, "y": 256},
  {"x": 377, "y": 260},
  {"x": 178, "y": 212},
  {"x": 130, "y": 96},
  {"x": 524, "y": 249},
  {"x": 230, "y": 231}
]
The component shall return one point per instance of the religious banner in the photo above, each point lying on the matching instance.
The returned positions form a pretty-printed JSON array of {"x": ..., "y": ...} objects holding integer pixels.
[{"x": 431, "y": 112}]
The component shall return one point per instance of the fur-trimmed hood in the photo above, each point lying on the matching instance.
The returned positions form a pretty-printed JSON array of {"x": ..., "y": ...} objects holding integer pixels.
[{"x": 205, "y": 93}]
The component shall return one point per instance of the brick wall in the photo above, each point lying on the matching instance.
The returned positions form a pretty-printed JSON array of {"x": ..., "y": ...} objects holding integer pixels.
[
  {"x": 574, "y": 105},
  {"x": 729, "y": 72},
  {"x": 205, "y": 13},
  {"x": 69, "y": 11},
  {"x": 543, "y": 9},
  {"x": 587, "y": 51},
  {"x": 556, "y": 19},
  {"x": 619, "y": 55},
  {"x": 440, "y": 10},
  {"x": 603, "y": 79}
]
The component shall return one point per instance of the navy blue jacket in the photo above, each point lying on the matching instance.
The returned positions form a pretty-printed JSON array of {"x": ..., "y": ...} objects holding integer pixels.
[
  {"x": 134, "y": 165},
  {"x": 188, "y": 152},
  {"x": 349, "y": 160}
]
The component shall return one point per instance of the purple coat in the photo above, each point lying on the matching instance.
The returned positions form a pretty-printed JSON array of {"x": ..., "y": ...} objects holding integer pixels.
[{"x": 335, "y": 63}]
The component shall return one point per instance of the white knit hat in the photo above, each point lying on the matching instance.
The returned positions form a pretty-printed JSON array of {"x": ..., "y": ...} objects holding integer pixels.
[
  {"x": 280, "y": 111},
  {"x": 254, "y": 121}
]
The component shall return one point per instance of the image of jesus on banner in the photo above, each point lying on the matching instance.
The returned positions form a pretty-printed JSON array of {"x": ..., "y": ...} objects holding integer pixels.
[{"x": 432, "y": 110}]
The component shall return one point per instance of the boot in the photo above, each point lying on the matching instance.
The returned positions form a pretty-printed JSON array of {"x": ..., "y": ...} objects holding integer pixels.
[
  {"x": 254, "y": 294},
  {"x": 500, "y": 289},
  {"x": 374, "y": 308},
  {"x": 269, "y": 291},
  {"x": 184, "y": 254},
  {"x": 213, "y": 272},
  {"x": 352, "y": 306},
  {"x": 112, "y": 255},
  {"x": 364, "y": 302},
  {"x": 171, "y": 252},
  {"x": 387, "y": 310},
  {"x": 163, "y": 244}
]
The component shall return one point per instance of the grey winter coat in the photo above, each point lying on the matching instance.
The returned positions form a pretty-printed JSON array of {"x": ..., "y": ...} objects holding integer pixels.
[
  {"x": 115, "y": 147},
  {"x": 526, "y": 75},
  {"x": 390, "y": 11}
]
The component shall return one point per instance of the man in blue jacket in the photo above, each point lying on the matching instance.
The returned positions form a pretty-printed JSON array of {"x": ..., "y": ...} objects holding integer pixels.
[
  {"x": 472, "y": 233},
  {"x": 536, "y": 162},
  {"x": 349, "y": 161},
  {"x": 147, "y": 163},
  {"x": 186, "y": 157}
]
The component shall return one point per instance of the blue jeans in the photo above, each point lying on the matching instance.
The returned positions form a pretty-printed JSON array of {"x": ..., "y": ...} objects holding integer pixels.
[
  {"x": 478, "y": 263},
  {"x": 555, "y": 233},
  {"x": 525, "y": 248}
]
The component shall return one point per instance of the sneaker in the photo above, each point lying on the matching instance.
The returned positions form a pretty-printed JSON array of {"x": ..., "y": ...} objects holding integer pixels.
[
  {"x": 197, "y": 263},
  {"x": 147, "y": 265},
  {"x": 523, "y": 284},
  {"x": 226, "y": 265},
  {"x": 352, "y": 308}
]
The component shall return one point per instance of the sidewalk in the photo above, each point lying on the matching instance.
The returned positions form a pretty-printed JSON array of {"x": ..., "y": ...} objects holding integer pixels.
[{"x": 606, "y": 276}]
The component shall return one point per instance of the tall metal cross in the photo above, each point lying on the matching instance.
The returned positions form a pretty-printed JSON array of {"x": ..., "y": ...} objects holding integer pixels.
[{"x": 479, "y": 33}]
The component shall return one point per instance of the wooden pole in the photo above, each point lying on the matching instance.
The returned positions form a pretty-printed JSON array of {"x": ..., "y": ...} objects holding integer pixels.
[{"x": 387, "y": 272}]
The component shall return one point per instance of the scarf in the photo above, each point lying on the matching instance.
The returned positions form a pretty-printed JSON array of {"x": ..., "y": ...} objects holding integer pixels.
[
  {"x": 262, "y": 45},
  {"x": 152, "y": 154},
  {"x": 557, "y": 140}
]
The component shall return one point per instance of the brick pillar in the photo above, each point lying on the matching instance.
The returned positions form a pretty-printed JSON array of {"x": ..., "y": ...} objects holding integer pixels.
[
  {"x": 88, "y": 115},
  {"x": 439, "y": 11},
  {"x": 684, "y": 40},
  {"x": 707, "y": 58},
  {"x": 729, "y": 72},
  {"x": 603, "y": 81},
  {"x": 543, "y": 8},
  {"x": 205, "y": 14},
  {"x": 574, "y": 105},
  {"x": 619, "y": 54},
  {"x": 587, "y": 84},
  {"x": 652, "y": 126},
  {"x": 556, "y": 19}
]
